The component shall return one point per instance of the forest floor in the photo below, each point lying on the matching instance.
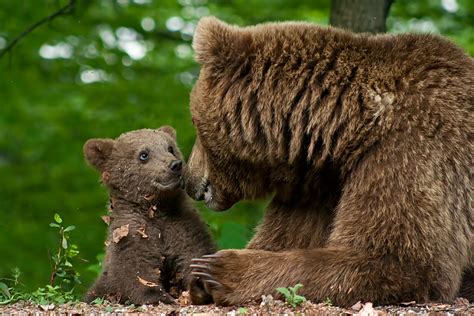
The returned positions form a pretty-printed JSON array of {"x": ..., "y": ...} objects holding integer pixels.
[{"x": 267, "y": 306}]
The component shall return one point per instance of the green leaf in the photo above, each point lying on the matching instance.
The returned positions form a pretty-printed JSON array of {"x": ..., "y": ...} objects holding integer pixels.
[
  {"x": 98, "y": 301},
  {"x": 284, "y": 291},
  {"x": 242, "y": 310},
  {"x": 4, "y": 290},
  {"x": 64, "y": 243},
  {"x": 58, "y": 218},
  {"x": 295, "y": 288},
  {"x": 69, "y": 228},
  {"x": 109, "y": 309},
  {"x": 54, "y": 225}
]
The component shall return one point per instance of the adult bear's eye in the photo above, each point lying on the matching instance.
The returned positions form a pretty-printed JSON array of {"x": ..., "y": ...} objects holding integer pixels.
[
  {"x": 171, "y": 149},
  {"x": 143, "y": 156}
]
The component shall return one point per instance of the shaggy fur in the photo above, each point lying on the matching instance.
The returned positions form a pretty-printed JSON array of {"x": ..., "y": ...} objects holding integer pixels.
[
  {"x": 149, "y": 262},
  {"x": 366, "y": 143}
]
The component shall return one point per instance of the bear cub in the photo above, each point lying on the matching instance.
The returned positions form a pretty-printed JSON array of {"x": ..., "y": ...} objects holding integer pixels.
[{"x": 154, "y": 231}]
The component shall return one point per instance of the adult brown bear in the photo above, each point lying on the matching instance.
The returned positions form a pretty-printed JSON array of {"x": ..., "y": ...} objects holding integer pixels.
[{"x": 364, "y": 141}]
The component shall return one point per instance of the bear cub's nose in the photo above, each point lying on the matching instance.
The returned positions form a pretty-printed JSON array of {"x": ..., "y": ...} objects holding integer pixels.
[{"x": 176, "y": 166}]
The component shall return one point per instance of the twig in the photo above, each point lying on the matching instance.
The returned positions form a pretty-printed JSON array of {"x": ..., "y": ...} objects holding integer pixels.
[{"x": 64, "y": 10}]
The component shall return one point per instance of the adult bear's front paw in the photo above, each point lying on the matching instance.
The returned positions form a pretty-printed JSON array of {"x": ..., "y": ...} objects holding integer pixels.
[{"x": 223, "y": 275}]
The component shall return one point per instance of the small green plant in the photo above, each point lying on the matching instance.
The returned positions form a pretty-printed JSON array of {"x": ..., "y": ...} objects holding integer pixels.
[
  {"x": 99, "y": 301},
  {"x": 109, "y": 309},
  {"x": 328, "y": 301},
  {"x": 242, "y": 310},
  {"x": 63, "y": 276},
  {"x": 63, "y": 273},
  {"x": 10, "y": 288},
  {"x": 291, "y": 296},
  {"x": 52, "y": 294}
]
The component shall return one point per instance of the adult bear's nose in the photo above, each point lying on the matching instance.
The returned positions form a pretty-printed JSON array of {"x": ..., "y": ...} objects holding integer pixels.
[{"x": 176, "y": 166}]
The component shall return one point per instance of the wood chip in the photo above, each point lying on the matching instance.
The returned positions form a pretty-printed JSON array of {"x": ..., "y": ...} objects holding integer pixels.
[
  {"x": 149, "y": 197},
  {"x": 120, "y": 233},
  {"x": 105, "y": 176},
  {"x": 111, "y": 205},
  {"x": 151, "y": 212},
  {"x": 357, "y": 306},
  {"x": 146, "y": 283},
  {"x": 106, "y": 219},
  {"x": 47, "y": 307},
  {"x": 367, "y": 309},
  {"x": 141, "y": 231},
  {"x": 461, "y": 302},
  {"x": 184, "y": 299}
]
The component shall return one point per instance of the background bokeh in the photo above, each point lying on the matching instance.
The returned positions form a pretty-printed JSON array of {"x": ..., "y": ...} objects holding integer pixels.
[{"x": 113, "y": 66}]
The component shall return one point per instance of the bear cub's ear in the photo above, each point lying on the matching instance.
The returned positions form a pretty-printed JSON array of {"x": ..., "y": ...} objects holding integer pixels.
[
  {"x": 168, "y": 130},
  {"x": 97, "y": 151}
]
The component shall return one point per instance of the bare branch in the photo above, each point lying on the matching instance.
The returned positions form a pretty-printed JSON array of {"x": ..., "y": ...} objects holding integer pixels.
[{"x": 64, "y": 10}]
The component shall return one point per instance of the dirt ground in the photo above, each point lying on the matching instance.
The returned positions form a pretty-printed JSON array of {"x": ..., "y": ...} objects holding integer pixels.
[{"x": 266, "y": 306}]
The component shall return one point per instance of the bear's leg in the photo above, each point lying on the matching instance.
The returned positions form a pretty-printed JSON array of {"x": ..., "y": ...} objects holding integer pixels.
[
  {"x": 292, "y": 227},
  {"x": 467, "y": 285},
  {"x": 101, "y": 288},
  {"x": 401, "y": 233}
]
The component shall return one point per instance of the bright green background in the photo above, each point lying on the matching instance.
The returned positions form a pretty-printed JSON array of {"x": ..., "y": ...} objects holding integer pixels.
[{"x": 47, "y": 111}]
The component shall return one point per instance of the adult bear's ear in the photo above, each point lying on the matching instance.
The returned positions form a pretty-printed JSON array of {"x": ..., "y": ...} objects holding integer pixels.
[
  {"x": 168, "y": 130},
  {"x": 217, "y": 43},
  {"x": 97, "y": 151}
]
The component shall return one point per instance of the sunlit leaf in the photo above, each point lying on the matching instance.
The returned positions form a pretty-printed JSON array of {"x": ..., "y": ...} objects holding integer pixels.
[
  {"x": 69, "y": 228},
  {"x": 64, "y": 243},
  {"x": 58, "y": 218}
]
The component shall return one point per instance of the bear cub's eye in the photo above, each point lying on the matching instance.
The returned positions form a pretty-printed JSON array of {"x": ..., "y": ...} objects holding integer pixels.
[
  {"x": 171, "y": 149},
  {"x": 143, "y": 156}
]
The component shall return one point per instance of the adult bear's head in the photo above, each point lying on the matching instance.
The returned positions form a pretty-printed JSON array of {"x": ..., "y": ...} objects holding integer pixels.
[{"x": 227, "y": 160}]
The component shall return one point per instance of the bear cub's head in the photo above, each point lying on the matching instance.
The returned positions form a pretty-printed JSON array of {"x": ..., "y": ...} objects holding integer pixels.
[{"x": 139, "y": 166}]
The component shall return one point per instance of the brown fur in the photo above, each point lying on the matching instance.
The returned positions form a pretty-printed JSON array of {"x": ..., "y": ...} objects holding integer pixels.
[
  {"x": 366, "y": 144},
  {"x": 165, "y": 231}
]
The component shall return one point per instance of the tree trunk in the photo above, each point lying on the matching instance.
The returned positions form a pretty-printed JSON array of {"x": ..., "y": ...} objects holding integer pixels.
[{"x": 360, "y": 15}]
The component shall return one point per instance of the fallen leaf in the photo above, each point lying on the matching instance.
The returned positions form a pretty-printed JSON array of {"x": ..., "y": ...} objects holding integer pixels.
[
  {"x": 119, "y": 233},
  {"x": 184, "y": 299},
  {"x": 367, "y": 310},
  {"x": 141, "y": 231},
  {"x": 147, "y": 283},
  {"x": 106, "y": 219}
]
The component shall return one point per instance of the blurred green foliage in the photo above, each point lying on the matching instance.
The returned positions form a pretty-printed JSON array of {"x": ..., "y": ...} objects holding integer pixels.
[{"x": 112, "y": 66}]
